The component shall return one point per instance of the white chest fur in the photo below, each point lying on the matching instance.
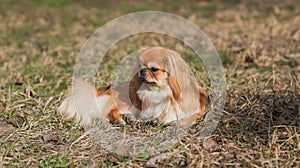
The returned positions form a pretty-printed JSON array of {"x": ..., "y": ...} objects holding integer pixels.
[{"x": 156, "y": 102}]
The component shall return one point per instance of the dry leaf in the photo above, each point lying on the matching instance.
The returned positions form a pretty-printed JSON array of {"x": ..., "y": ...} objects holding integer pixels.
[
  {"x": 210, "y": 145},
  {"x": 5, "y": 127},
  {"x": 49, "y": 137},
  {"x": 2, "y": 106},
  {"x": 17, "y": 121},
  {"x": 18, "y": 79},
  {"x": 159, "y": 159}
]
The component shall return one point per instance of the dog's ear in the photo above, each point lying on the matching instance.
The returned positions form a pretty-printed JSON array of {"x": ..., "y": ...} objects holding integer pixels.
[
  {"x": 134, "y": 86},
  {"x": 180, "y": 73},
  {"x": 175, "y": 88}
]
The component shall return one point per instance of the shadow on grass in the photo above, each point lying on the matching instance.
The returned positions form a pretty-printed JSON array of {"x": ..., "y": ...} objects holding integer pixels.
[{"x": 270, "y": 116}]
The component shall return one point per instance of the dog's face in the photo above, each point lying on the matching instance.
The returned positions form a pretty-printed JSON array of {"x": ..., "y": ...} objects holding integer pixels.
[
  {"x": 152, "y": 68},
  {"x": 161, "y": 68}
]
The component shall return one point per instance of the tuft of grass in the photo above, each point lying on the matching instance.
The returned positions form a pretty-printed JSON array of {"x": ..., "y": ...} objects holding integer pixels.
[
  {"x": 58, "y": 160},
  {"x": 228, "y": 58}
]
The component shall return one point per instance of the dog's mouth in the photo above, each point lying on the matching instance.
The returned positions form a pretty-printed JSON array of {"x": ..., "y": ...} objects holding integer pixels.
[{"x": 145, "y": 81}]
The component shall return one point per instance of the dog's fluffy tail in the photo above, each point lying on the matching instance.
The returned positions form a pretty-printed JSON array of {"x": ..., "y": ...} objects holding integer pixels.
[{"x": 83, "y": 105}]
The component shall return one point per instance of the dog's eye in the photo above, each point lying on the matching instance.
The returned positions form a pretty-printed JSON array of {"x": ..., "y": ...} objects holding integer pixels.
[{"x": 154, "y": 69}]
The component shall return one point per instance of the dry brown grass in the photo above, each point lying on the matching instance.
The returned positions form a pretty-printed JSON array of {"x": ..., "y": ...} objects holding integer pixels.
[{"x": 258, "y": 43}]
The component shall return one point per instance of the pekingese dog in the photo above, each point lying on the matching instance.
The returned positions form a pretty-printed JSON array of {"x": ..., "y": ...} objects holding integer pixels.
[{"x": 162, "y": 90}]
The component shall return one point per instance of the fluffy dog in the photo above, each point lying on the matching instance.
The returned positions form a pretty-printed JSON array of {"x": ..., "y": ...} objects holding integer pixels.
[{"x": 162, "y": 90}]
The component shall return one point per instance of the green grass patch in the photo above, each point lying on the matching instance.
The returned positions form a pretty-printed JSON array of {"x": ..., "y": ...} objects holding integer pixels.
[{"x": 59, "y": 160}]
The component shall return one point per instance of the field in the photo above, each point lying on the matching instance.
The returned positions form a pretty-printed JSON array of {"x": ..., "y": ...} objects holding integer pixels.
[{"x": 259, "y": 44}]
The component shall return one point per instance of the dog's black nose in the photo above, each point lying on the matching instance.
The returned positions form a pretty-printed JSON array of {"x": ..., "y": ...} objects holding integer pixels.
[{"x": 143, "y": 71}]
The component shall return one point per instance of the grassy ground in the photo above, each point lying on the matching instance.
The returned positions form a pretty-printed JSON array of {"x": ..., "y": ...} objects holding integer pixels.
[{"x": 259, "y": 43}]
